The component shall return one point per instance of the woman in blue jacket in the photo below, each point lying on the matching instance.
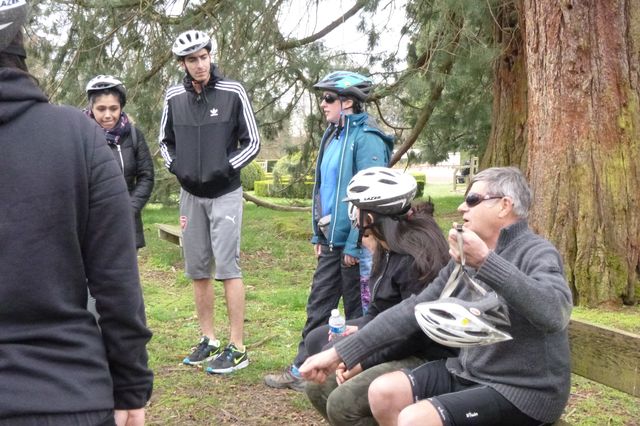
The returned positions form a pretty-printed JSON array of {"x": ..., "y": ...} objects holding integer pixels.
[{"x": 352, "y": 142}]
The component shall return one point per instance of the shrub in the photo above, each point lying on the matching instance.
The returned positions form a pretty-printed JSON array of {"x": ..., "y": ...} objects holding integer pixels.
[
  {"x": 250, "y": 174},
  {"x": 421, "y": 179},
  {"x": 283, "y": 186}
]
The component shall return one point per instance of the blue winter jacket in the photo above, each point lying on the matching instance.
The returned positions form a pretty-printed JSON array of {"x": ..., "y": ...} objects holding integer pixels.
[{"x": 366, "y": 145}]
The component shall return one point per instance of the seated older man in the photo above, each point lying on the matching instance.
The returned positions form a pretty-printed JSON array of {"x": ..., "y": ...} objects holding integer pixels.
[{"x": 524, "y": 380}]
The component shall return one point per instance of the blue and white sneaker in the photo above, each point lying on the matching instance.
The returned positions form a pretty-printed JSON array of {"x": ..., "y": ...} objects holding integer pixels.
[{"x": 230, "y": 360}]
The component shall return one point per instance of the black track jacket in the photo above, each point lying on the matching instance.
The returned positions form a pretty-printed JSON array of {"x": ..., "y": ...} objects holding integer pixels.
[{"x": 206, "y": 138}]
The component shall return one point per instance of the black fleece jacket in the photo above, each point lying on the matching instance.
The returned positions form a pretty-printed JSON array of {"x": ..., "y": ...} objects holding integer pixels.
[
  {"x": 136, "y": 159},
  {"x": 62, "y": 229}
]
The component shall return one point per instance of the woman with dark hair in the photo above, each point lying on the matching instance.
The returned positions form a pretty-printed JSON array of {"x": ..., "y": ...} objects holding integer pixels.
[
  {"x": 107, "y": 98},
  {"x": 408, "y": 251}
]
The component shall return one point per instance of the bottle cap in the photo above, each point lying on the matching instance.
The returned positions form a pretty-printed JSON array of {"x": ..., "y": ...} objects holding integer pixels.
[{"x": 335, "y": 313}]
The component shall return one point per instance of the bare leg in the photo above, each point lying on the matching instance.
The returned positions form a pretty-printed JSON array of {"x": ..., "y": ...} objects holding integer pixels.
[
  {"x": 234, "y": 293},
  {"x": 204, "y": 297},
  {"x": 420, "y": 413},
  {"x": 389, "y": 394}
]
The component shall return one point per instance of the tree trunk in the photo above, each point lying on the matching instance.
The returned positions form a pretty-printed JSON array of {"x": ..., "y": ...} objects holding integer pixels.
[
  {"x": 507, "y": 142},
  {"x": 584, "y": 140}
]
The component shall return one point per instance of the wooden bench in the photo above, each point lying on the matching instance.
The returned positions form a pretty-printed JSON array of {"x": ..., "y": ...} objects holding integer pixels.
[
  {"x": 171, "y": 233},
  {"x": 605, "y": 355}
]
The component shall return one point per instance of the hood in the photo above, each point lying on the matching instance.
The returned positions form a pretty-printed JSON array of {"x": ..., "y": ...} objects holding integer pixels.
[
  {"x": 369, "y": 124},
  {"x": 18, "y": 93},
  {"x": 187, "y": 81}
]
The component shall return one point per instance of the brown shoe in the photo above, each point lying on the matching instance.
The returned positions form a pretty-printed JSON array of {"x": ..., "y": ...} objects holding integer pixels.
[{"x": 285, "y": 380}]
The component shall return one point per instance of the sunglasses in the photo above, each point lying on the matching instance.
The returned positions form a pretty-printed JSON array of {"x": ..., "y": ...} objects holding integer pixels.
[
  {"x": 473, "y": 199},
  {"x": 329, "y": 98}
]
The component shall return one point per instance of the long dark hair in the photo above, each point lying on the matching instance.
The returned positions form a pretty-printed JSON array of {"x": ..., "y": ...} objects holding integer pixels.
[{"x": 416, "y": 234}]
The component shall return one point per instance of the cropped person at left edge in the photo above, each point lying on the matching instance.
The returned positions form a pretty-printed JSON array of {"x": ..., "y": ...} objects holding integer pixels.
[{"x": 65, "y": 225}]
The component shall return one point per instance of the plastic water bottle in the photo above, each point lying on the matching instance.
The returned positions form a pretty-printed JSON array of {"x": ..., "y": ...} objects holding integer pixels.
[{"x": 337, "y": 324}]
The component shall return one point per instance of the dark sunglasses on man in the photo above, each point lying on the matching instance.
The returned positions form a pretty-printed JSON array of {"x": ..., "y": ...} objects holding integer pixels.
[{"x": 473, "y": 199}]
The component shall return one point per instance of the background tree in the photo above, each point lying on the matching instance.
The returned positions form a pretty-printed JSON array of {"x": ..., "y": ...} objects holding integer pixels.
[{"x": 584, "y": 133}]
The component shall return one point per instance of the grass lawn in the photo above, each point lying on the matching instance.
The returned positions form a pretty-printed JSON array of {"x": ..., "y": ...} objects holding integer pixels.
[{"x": 278, "y": 263}]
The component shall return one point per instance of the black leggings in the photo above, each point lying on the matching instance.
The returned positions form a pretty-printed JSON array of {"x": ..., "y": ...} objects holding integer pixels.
[{"x": 462, "y": 402}]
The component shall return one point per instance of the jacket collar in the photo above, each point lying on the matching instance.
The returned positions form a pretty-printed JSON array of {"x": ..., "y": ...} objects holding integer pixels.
[{"x": 215, "y": 76}]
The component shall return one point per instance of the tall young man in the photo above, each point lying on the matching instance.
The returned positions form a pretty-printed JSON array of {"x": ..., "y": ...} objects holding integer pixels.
[
  {"x": 208, "y": 133},
  {"x": 66, "y": 226}
]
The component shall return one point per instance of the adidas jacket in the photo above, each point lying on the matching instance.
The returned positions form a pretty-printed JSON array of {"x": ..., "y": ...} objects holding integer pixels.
[{"x": 206, "y": 138}]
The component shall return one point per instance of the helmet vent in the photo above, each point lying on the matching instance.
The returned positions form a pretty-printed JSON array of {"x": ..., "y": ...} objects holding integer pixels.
[{"x": 443, "y": 314}]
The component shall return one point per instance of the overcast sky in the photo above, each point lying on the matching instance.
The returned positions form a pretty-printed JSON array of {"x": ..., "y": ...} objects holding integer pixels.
[{"x": 301, "y": 18}]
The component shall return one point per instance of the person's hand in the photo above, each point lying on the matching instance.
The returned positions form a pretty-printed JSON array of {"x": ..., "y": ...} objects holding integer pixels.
[
  {"x": 342, "y": 374},
  {"x": 350, "y": 260},
  {"x": 317, "y": 249},
  {"x": 350, "y": 329},
  {"x": 133, "y": 417},
  {"x": 475, "y": 250},
  {"x": 317, "y": 367}
]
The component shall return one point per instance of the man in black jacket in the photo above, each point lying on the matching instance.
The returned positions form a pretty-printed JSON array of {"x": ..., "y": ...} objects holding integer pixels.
[
  {"x": 208, "y": 134},
  {"x": 62, "y": 229}
]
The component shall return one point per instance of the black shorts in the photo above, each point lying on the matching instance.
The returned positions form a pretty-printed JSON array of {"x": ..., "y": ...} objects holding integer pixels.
[{"x": 462, "y": 402}]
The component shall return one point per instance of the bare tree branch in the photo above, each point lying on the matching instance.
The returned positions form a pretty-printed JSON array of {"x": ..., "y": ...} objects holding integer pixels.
[{"x": 292, "y": 44}]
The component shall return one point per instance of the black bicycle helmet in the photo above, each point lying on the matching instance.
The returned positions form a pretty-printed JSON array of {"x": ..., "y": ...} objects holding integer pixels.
[
  {"x": 13, "y": 15},
  {"x": 346, "y": 83},
  {"x": 191, "y": 41},
  {"x": 104, "y": 82},
  {"x": 382, "y": 190}
]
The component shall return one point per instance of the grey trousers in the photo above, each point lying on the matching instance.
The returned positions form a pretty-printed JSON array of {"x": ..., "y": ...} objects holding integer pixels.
[{"x": 348, "y": 403}]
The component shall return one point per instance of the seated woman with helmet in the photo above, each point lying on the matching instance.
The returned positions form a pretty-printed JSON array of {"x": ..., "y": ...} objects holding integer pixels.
[
  {"x": 514, "y": 362},
  {"x": 408, "y": 251}
]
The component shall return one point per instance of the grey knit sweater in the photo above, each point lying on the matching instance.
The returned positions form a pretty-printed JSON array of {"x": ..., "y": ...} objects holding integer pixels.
[{"x": 532, "y": 371}]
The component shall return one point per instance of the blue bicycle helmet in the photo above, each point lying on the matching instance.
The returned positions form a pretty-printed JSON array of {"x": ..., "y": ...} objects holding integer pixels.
[
  {"x": 12, "y": 15},
  {"x": 346, "y": 83}
]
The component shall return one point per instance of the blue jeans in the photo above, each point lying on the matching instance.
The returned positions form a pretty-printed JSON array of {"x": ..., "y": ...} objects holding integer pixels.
[{"x": 331, "y": 281}]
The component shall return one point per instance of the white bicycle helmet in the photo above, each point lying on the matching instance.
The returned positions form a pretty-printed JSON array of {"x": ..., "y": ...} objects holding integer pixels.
[
  {"x": 104, "y": 82},
  {"x": 12, "y": 15},
  {"x": 459, "y": 323},
  {"x": 382, "y": 190},
  {"x": 191, "y": 41}
]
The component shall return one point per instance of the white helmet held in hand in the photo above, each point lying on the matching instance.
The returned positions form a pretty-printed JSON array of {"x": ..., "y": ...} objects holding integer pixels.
[
  {"x": 191, "y": 41},
  {"x": 459, "y": 323},
  {"x": 382, "y": 190}
]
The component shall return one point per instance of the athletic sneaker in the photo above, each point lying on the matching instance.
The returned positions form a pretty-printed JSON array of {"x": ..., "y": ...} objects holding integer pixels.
[
  {"x": 285, "y": 380},
  {"x": 230, "y": 360},
  {"x": 204, "y": 351}
]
